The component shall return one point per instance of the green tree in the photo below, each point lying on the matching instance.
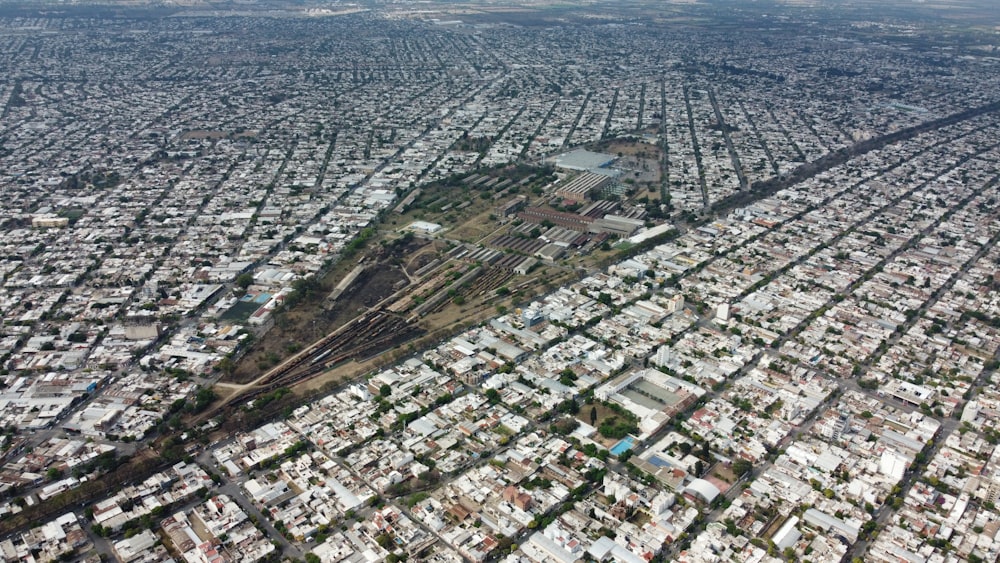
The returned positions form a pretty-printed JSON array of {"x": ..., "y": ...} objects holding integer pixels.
[
  {"x": 593, "y": 415},
  {"x": 203, "y": 398},
  {"x": 741, "y": 467},
  {"x": 245, "y": 280}
]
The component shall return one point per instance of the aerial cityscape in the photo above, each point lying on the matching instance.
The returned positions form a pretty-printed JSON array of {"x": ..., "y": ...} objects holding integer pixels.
[{"x": 606, "y": 281}]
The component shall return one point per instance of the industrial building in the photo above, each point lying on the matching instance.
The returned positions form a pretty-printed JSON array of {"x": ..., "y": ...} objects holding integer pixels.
[
  {"x": 582, "y": 159},
  {"x": 582, "y": 186}
]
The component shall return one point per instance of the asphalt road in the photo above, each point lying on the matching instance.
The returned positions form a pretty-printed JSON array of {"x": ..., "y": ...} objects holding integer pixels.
[{"x": 233, "y": 488}]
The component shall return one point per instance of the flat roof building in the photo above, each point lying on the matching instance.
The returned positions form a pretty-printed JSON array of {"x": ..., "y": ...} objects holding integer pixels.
[
  {"x": 582, "y": 159},
  {"x": 580, "y": 187}
]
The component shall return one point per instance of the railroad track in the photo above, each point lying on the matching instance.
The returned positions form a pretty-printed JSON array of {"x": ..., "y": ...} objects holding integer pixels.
[
  {"x": 363, "y": 338},
  {"x": 492, "y": 279}
]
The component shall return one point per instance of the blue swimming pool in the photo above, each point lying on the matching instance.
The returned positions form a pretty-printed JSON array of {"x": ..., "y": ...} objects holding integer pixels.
[{"x": 624, "y": 445}]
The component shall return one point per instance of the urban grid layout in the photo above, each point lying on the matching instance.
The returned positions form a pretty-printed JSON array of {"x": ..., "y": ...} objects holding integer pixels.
[{"x": 707, "y": 281}]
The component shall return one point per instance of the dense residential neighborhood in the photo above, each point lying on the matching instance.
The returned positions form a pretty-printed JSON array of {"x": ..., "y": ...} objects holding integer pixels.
[{"x": 445, "y": 283}]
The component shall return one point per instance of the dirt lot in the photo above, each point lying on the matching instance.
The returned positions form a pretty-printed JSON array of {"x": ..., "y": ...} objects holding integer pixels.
[
  {"x": 603, "y": 412},
  {"x": 475, "y": 228},
  {"x": 723, "y": 472}
]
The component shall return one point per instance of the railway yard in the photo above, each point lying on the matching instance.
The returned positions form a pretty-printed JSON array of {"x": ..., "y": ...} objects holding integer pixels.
[{"x": 402, "y": 288}]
